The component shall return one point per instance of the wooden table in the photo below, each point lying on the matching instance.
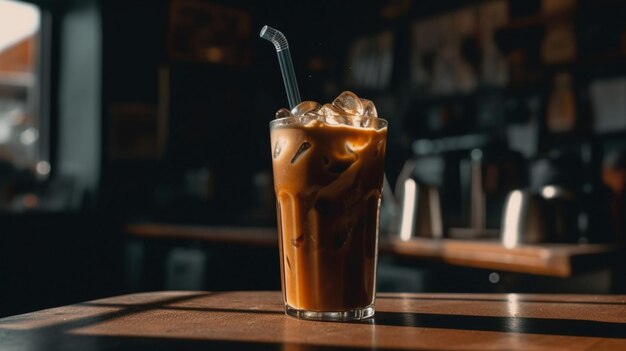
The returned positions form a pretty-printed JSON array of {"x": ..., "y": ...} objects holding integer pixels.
[
  {"x": 555, "y": 260},
  {"x": 255, "y": 321}
]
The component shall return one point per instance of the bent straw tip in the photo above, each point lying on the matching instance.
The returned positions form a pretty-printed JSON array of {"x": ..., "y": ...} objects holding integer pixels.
[
  {"x": 263, "y": 30},
  {"x": 276, "y": 37},
  {"x": 268, "y": 33}
]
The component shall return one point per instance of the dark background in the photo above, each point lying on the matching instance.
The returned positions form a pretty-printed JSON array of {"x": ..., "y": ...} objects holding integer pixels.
[{"x": 213, "y": 166}]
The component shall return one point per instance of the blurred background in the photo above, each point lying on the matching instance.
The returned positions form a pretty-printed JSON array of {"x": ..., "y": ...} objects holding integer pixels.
[{"x": 117, "y": 114}]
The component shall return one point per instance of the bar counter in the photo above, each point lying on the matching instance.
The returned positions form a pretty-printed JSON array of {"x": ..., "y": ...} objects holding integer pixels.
[
  {"x": 254, "y": 320},
  {"x": 554, "y": 260}
]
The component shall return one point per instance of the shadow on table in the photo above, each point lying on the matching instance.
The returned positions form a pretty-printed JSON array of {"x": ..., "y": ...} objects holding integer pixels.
[
  {"x": 505, "y": 299},
  {"x": 66, "y": 342},
  {"x": 552, "y": 326}
]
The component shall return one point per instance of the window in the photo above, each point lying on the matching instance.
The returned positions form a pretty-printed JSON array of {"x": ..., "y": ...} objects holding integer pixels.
[{"x": 23, "y": 119}]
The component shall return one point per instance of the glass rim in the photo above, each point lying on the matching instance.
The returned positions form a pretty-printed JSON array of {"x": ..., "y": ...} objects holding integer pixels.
[{"x": 280, "y": 121}]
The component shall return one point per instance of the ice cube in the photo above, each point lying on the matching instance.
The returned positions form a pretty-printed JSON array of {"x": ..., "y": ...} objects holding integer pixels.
[
  {"x": 349, "y": 103},
  {"x": 305, "y": 108},
  {"x": 333, "y": 115},
  {"x": 329, "y": 110},
  {"x": 369, "y": 109},
  {"x": 380, "y": 147},
  {"x": 297, "y": 242},
  {"x": 308, "y": 118},
  {"x": 278, "y": 148},
  {"x": 336, "y": 119},
  {"x": 368, "y": 122},
  {"x": 301, "y": 150},
  {"x": 282, "y": 113},
  {"x": 354, "y": 147}
]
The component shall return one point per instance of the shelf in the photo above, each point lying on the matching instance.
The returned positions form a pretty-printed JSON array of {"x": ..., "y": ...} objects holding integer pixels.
[{"x": 555, "y": 260}]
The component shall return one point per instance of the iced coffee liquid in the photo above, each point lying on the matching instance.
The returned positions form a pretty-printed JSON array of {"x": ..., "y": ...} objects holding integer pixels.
[{"x": 328, "y": 181}]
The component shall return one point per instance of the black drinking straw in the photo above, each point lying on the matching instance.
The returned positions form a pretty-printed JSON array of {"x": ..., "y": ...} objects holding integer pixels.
[{"x": 284, "y": 60}]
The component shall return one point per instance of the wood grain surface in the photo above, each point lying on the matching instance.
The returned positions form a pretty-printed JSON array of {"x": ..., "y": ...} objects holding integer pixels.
[{"x": 255, "y": 320}]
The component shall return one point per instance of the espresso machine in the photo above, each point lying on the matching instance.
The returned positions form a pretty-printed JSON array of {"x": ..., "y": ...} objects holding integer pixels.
[{"x": 456, "y": 187}]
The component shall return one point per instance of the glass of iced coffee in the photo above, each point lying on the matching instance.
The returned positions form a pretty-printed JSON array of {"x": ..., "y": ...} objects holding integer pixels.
[{"x": 328, "y": 174}]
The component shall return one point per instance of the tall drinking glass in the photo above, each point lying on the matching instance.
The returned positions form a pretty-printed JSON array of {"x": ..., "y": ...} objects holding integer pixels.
[{"x": 328, "y": 180}]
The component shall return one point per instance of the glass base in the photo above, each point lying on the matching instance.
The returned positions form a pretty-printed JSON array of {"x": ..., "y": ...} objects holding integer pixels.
[{"x": 343, "y": 316}]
